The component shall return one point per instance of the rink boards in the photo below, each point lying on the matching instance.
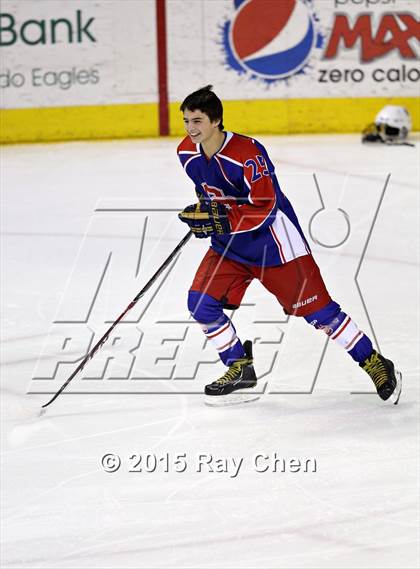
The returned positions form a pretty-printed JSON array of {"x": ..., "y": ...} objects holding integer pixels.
[{"x": 85, "y": 70}]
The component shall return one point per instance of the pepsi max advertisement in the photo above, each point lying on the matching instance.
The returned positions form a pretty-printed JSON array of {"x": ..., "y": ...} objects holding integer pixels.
[{"x": 306, "y": 48}]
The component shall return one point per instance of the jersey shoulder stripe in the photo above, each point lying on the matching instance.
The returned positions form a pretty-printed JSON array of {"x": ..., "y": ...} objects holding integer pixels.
[
  {"x": 238, "y": 149},
  {"x": 186, "y": 146}
]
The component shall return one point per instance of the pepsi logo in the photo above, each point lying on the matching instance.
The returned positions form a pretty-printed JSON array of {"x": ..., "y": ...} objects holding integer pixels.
[{"x": 271, "y": 39}]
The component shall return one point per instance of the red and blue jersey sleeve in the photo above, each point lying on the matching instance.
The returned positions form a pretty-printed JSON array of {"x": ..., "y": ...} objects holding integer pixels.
[
  {"x": 259, "y": 207},
  {"x": 188, "y": 151}
]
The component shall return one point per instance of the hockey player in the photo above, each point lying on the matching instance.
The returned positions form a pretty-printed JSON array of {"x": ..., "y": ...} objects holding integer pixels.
[{"x": 254, "y": 233}]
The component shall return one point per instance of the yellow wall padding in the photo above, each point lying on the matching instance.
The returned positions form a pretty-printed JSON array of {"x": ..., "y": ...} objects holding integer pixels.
[{"x": 79, "y": 123}]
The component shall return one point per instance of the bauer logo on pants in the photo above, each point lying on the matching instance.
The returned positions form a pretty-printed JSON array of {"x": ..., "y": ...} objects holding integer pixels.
[{"x": 271, "y": 40}]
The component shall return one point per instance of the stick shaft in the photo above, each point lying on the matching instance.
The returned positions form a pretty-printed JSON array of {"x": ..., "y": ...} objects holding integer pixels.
[{"x": 105, "y": 337}]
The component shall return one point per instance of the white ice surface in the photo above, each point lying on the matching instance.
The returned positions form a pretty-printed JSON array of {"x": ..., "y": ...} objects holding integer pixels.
[{"x": 61, "y": 510}]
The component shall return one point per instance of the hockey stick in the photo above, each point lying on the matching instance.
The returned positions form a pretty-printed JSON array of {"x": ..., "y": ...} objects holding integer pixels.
[{"x": 105, "y": 337}]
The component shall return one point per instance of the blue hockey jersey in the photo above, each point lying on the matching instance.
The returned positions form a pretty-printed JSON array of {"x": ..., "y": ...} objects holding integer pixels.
[{"x": 265, "y": 229}]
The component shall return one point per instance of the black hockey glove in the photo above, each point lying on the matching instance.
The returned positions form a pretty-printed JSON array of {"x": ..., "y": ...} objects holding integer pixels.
[{"x": 206, "y": 218}]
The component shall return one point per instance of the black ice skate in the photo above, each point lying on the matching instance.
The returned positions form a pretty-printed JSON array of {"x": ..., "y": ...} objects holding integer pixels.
[
  {"x": 387, "y": 380},
  {"x": 233, "y": 386}
]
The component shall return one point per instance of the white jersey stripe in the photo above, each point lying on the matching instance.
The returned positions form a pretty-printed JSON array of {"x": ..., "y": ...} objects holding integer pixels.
[
  {"x": 189, "y": 160},
  {"x": 228, "y": 137},
  {"x": 223, "y": 172},
  {"x": 257, "y": 226},
  {"x": 279, "y": 247},
  {"x": 289, "y": 238},
  {"x": 229, "y": 159}
]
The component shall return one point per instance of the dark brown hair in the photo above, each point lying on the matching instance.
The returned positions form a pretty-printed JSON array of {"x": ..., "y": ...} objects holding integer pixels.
[{"x": 207, "y": 102}]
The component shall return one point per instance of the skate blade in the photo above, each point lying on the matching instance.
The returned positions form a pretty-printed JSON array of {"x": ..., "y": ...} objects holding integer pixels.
[
  {"x": 235, "y": 398},
  {"x": 395, "y": 397}
]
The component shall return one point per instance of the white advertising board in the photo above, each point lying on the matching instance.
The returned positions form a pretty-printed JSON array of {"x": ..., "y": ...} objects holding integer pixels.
[
  {"x": 279, "y": 49},
  {"x": 79, "y": 52}
]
